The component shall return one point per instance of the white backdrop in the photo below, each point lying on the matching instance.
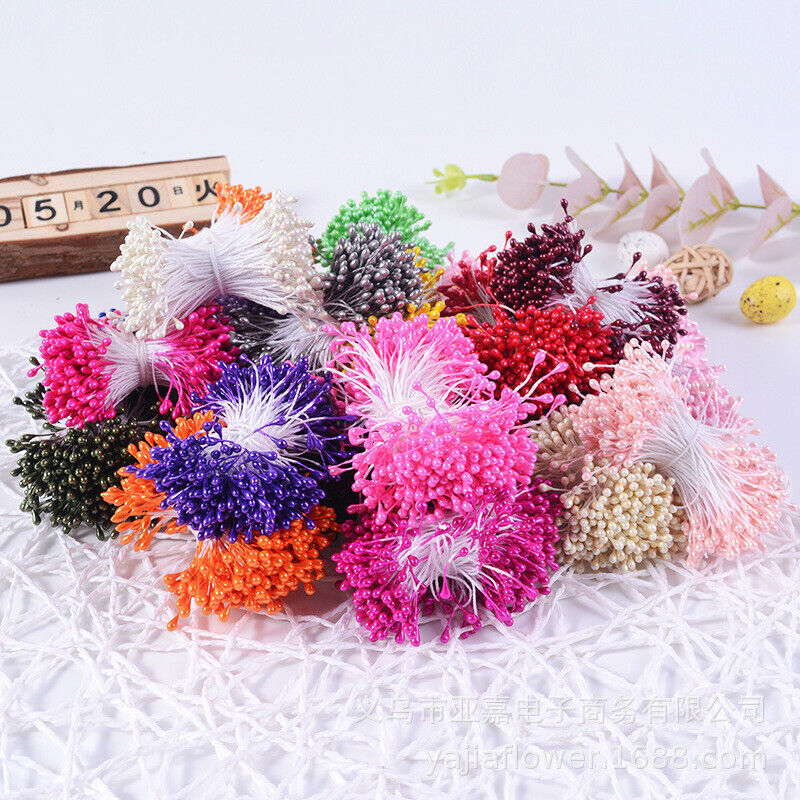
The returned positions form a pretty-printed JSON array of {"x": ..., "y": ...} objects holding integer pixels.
[{"x": 324, "y": 101}]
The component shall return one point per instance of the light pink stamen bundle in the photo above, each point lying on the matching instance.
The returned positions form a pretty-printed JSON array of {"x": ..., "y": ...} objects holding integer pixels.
[
  {"x": 731, "y": 486},
  {"x": 90, "y": 365}
]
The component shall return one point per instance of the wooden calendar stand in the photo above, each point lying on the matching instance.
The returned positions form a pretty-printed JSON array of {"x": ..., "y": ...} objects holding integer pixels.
[{"x": 63, "y": 223}]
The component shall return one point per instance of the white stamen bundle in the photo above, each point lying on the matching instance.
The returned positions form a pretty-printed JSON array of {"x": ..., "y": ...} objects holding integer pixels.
[{"x": 266, "y": 259}]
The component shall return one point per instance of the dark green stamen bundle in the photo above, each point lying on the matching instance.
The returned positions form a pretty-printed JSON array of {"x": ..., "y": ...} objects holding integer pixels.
[
  {"x": 63, "y": 470},
  {"x": 393, "y": 213}
]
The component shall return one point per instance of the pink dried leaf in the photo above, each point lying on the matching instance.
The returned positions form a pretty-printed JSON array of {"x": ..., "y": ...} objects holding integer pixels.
[
  {"x": 665, "y": 197},
  {"x": 630, "y": 178},
  {"x": 778, "y": 213},
  {"x": 770, "y": 190},
  {"x": 702, "y": 208},
  {"x": 586, "y": 190},
  {"x": 663, "y": 202},
  {"x": 728, "y": 195},
  {"x": 522, "y": 180},
  {"x": 661, "y": 175},
  {"x": 624, "y": 204},
  {"x": 631, "y": 194}
]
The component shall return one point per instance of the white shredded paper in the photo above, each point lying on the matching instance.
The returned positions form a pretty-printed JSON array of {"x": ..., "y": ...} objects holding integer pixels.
[{"x": 664, "y": 683}]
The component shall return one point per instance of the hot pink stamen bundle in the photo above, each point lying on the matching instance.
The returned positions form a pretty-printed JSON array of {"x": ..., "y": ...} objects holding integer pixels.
[
  {"x": 439, "y": 462},
  {"x": 493, "y": 558},
  {"x": 430, "y": 430},
  {"x": 730, "y": 486},
  {"x": 91, "y": 364}
]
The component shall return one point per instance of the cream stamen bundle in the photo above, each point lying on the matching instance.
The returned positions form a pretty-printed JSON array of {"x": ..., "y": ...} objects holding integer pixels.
[
  {"x": 264, "y": 257},
  {"x": 91, "y": 365},
  {"x": 618, "y": 517}
]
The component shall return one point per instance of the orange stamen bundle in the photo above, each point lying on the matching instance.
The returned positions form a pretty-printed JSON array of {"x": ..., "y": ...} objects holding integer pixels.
[
  {"x": 251, "y": 200},
  {"x": 255, "y": 576},
  {"x": 139, "y": 514}
]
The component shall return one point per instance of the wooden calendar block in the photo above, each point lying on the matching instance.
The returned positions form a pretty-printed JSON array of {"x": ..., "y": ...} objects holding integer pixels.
[
  {"x": 203, "y": 192},
  {"x": 62, "y": 223},
  {"x": 11, "y": 218},
  {"x": 77, "y": 206},
  {"x": 45, "y": 209},
  {"x": 179, "y": 193},
  {"x": 109, "y": 201},
  {"x": 143, "y": 198}
]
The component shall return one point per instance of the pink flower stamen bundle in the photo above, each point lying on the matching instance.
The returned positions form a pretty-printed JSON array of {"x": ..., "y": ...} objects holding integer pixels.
[
  {"x": 91, "y": 365},
  {"x": 430, "y": 432},
  {"x": 451, "y": 516},
  {"x": 731, "y": 486}
]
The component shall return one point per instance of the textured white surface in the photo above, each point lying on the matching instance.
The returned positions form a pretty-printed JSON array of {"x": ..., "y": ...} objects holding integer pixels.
[{"x": 98, "y": 700}]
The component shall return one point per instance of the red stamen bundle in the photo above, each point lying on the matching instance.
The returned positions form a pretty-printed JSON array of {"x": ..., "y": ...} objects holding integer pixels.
[
  {"x": 512, "y": 347},
  {"x": 466, "y": 285},
  {"x": 90, "y": 365}
]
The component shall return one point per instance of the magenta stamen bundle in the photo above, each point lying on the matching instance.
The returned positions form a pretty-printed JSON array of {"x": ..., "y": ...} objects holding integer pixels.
[
  {"x": 91, "y": 365},
  {"x": 731, "y": 487},
  {"x": 493, "y": 557},
  {"x": 430, "y": 431}
]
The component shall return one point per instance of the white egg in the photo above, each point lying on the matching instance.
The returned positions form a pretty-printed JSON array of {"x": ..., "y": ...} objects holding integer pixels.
[{"x": 653, "y": 248}]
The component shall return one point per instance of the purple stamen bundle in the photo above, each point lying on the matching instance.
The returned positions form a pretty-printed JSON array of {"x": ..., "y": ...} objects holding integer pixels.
[{"x": 261, "y": 463}]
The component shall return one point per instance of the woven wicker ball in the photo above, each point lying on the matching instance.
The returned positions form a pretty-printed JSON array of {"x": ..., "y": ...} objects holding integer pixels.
[{"x": 702, "y": 271}]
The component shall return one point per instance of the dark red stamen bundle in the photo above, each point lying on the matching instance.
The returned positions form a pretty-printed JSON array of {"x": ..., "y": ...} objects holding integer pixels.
[
  {"x": 532, "y": 271},
  {"x": 660, "y": 308},
  {"x": 576, "y": 338}
]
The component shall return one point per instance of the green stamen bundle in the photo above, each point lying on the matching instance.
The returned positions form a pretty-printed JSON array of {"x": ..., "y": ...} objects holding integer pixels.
[{"x": 393, "y": 213}]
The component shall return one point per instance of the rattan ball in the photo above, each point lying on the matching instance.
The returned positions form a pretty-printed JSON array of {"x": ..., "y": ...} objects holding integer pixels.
[{"x": 702, "y": 271}]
